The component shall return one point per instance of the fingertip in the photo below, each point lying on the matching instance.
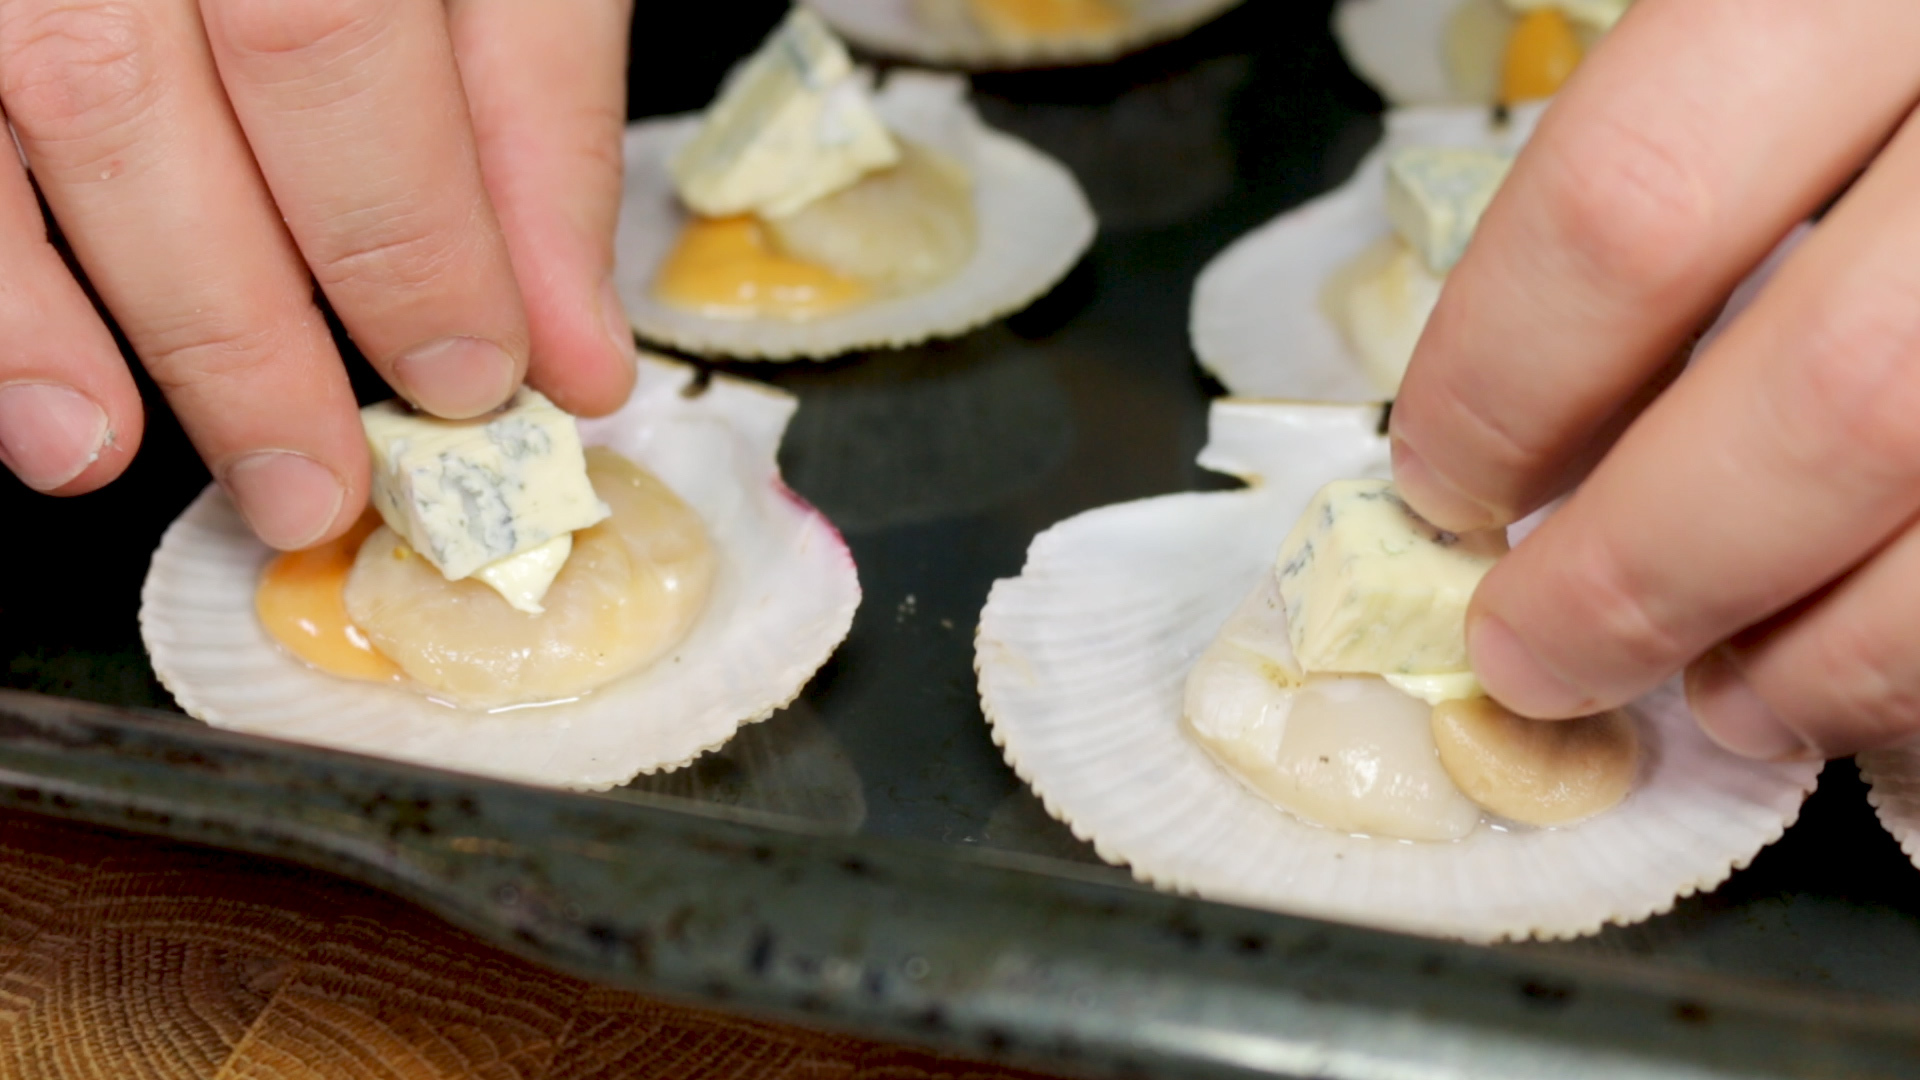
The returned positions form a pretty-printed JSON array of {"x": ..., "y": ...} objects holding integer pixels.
[
  {"x": 289, "y": 500},
  {"x": 589, "y": 392},
  {"x": 1733, "y": 714},
  {"x": 59, "y": 440},
  {"x": 458, "y": 377},
  {"x": 1515, "y": 675},
  {"x": 116, "y": 452},
  {"x": 591, "y": 368}
]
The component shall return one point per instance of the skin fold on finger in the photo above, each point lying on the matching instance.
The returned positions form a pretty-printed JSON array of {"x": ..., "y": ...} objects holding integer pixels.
[
  {"x": 121, "y": 115},
  {"x": 547, "y": 86},
  {"x": 1686, "y": 147},
  {"x": 356, "y": 113},
  {"x": 70, "y": 416},
  {"x": 1786, "y": 454},
  {"x": 1837, "y": 675}
]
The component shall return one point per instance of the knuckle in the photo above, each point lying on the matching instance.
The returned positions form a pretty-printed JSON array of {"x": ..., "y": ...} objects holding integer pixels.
[
  {"x": 403, "y": 252},
  {"x": 1629, "y": 205},
  {"x": 598, "y": 149},
  {"x": 1854, "y": 390},
  {"x": 302, "y": 28},
  {"x": 75, "y": 71},
  {"x": 1873, "y": 688},
  {"x": 198, "y": 355}
]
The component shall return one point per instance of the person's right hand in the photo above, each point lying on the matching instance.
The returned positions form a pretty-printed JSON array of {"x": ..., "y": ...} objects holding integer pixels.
[
  {"x": 447, "y": 170},
  {"x": 1757, "y": 522}
]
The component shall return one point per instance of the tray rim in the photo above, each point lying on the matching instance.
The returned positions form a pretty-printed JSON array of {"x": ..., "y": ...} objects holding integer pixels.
[{"x": 991, "y": 954}]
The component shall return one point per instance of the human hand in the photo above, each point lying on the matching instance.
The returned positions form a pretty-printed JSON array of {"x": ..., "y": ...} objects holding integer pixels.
[
  {"x": 1754, "y": 522},
  {"x": 448, "y": 171}
]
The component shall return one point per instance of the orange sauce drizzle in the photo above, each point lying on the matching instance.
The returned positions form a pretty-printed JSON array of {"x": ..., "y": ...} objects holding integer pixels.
[
  {"x": 302, "y": 602},
  {"x": 1050, "y": 18},
  {"x": 724, "y": 268},
  {"x": 1541, "y": 56}
]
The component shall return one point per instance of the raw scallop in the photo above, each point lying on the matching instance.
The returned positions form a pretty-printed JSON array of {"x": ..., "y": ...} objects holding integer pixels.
[{"x": 631, "y": 589}]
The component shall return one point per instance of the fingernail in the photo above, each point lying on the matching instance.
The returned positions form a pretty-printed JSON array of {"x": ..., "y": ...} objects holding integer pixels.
[
  {"x": 49, "y": 433},
  {"x": 456, "y": 377},
  {"x": 1734, "y": 715},
  {"x": 1513, "y": 674},
  {"x": 619, "y": 327},
  {"x": 288, "y": 499},
  {"x": 1436, "y": 499}
]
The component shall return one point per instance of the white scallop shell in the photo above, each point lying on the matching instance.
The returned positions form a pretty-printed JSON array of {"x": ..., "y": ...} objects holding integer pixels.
[
  {"x": 783, "y": 598},
  {"x": 1893, "y": 790},
  {"x": 1399, "y": 46},
  {"x": 1082, "y": 659},
  {"x": 943, "y": 33},
  {"x": 1034, "y": 223},
  {"x": 1258, "y": 323}
]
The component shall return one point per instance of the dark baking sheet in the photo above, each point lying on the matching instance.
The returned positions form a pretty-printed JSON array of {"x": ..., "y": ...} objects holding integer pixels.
[{"x": 939, "y": 464}]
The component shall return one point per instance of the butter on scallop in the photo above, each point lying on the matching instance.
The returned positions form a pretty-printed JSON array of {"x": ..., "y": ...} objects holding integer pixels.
[
  {"x": 629, "y": 592},
  {"x": 493, "y": 497}
]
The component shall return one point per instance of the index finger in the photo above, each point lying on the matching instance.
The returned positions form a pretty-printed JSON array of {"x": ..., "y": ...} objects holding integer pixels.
[
  {"x": 1783, "y": 458},
  {"x": 1684, "y": 149}
]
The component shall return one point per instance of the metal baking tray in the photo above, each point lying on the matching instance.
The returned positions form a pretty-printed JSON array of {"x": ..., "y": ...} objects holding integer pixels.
[{"x": 865, "y": 860}]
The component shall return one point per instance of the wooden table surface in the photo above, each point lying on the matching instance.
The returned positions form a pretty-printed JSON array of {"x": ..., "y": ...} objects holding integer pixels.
[{"x": 129, "y": 958}]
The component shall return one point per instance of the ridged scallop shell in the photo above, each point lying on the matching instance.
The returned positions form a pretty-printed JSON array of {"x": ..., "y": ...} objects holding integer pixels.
[
  {"x": 1893, "y": 790},
  {"x": 1082, "y": 659},
  {"x": 1258, "y": 322},
  {"x": 1034, "y": 223},
  {"x": 1400, "y": 47},
  {"x": 1431, "y": 52},
  {"x": 783, "y": 599},
  {"x": 945, "y": 35}
]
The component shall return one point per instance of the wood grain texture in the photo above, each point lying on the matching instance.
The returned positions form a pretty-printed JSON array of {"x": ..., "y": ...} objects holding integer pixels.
[{"x": 126, "y": 958}]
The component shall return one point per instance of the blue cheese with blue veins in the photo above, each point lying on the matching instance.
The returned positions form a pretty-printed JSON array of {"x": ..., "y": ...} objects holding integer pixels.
[
  {"x": 792, "y": 124},
  {"x": 1371, "y": 588},
  {"x": 498, "y": 497},
  {"x": 1435, "y": 196}
]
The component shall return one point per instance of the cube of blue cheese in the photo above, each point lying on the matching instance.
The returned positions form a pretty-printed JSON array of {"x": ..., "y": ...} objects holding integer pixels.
[
  {"x": 1372, "y": 588},
  {"x": 1435, "y": 196},
  {"x": 793, "y": 123},
  {"x": 1599, "y": 14},
  {"x": 470, "y": 494}
]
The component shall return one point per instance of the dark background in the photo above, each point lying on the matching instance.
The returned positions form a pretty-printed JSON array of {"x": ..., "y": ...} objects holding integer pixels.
[{"x": 941, "y": 462}]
